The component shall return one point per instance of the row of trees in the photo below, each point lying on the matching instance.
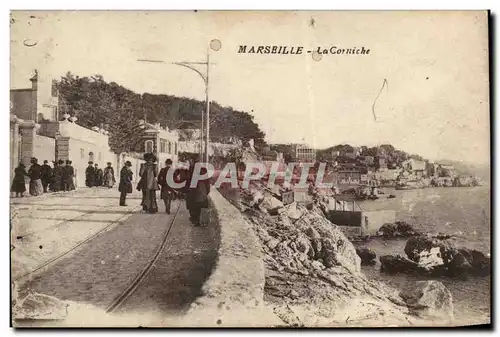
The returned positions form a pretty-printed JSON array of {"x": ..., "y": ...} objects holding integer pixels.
[{"x": 109, "y": 105}]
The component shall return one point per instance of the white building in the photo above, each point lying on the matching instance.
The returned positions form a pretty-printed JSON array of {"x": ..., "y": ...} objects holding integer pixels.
[{"x": 160, "y": 141}]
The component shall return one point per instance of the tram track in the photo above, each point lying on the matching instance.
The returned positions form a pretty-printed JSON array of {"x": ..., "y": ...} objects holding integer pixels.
[
  {"x": 73, "y": 248},
  {"x": 136, "y": 282}
]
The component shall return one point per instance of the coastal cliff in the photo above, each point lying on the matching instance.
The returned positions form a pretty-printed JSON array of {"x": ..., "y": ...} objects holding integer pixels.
[{"x": 313, "y": 274}]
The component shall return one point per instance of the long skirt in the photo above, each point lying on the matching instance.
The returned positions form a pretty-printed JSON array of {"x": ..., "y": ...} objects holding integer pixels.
[
  {"x": 18, "y": 185},
  {"x": 70, "y": 184},
  {"x": 149, "y": 201},
  {"x": 109, "y": 180},
  {"x": 36, "y": 187}
]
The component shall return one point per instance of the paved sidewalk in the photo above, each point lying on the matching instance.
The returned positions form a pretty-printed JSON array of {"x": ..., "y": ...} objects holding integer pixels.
[
  {"x": 97, "y": 271},
  {"x": 46, "y": 226}
]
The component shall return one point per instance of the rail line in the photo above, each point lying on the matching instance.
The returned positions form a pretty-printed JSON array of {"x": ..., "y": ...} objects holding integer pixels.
[
  {"x": 58, "y": 257},
  {"x": 122, "y": 298}
]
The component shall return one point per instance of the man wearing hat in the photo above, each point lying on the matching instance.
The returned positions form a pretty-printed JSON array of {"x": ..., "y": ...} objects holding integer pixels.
[
  {"x": 64, "y": 175},
  {"x": 98, "y": 176},
  {"x": 46, "y": 175},
  {"x": 35, "y": 173},
  {"x": 69, "y": 175},
  {"x": 56, "y": 173},
  {"x": 125, "y": 185},
  {"x": 90, "y": 175}
]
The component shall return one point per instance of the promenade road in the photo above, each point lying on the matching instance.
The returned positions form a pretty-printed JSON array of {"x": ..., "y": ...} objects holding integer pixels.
[{"x": 97, "y": 248}]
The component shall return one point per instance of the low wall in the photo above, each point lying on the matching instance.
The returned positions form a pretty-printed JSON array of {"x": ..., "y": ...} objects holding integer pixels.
[
  {"x": 233, "y": 294},
  {"x": 44, "y": 149},
  {"x": 345, "y": 218}
]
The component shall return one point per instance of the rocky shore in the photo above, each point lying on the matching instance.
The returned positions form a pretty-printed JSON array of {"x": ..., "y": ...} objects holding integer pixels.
[{"x": 313, "y": 271}]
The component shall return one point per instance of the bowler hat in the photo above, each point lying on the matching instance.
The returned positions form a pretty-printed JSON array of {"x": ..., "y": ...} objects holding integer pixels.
[
  {"x": 90, "y": 163},
  {"x": 128, "y": 163},
  {"x": 61, "y": 161}
]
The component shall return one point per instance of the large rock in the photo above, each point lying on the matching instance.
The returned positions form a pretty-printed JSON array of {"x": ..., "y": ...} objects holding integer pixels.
[
  {"x": 429, "y": 299},
  {"x": 328, "y": 241},
  {"x": 481, "y": 264},
  {"x": 416, "y": 245},
  {"x": 393, "y": 264},
  {"x": 397, "y": 229},
  {"x": 292, "y": 211},
  {"x": 367, "y": 256},
  {"x": 271, "y": 204},
  {"x": 441, "y": 257}
]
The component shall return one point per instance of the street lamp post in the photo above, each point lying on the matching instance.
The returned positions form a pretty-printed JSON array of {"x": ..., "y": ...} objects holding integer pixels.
[
  {"x": 205, "y": 120},
  {"x": 205, "y": 77}
]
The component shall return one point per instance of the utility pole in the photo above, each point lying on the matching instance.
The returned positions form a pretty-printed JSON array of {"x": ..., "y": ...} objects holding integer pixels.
[
  {"x": 205, "y": 120},
  {"x": 207, "y": 142}
]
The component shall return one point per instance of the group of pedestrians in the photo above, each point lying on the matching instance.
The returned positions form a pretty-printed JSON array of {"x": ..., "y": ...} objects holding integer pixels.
[
  {"x": 151, "y": 181},
  {"x": 43, "y": 178},
  {"x": 96, "y": 177}
]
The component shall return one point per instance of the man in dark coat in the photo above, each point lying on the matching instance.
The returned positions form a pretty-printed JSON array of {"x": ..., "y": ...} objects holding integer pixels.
[
  {"x": 46, "y": 175},
  {"x": 55, "y": 184},
  {"x": 90, "y": 175},
  {"x": 98, "y": 176},
  {"x": 197, "y": 196},
  {"x": 167, "y": 192},
  {"x": 59, "y": 175},
  {"x": 64, "y": 175},
  {"x": 70, "y": 174},
  {"x": 125, "y": 185}
]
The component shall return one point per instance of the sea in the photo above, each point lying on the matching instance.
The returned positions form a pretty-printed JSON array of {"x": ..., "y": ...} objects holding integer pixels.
[{"x": 463, "y": 212}]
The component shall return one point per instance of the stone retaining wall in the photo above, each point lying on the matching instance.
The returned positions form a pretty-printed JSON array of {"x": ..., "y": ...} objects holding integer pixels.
[{"x": 233, "y": 294}]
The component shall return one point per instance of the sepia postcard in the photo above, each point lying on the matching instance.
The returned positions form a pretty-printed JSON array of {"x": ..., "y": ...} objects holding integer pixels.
[{"x": 250, "y": 169}]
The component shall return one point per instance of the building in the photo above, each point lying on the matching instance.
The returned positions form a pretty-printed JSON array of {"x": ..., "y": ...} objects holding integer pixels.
[
  {"x": 40, "y": 102},
  {"x": 303, "y": 153},
  {"x": 350, "y": 152},
  {"x": 349, "y": 177},
  {"x": 367, "y": 160},
  {"x": 418, "y": 168},
  {"x": 382, "y": 163},
  {"x": 28, "y": 107},
  {"x": 38, "y": 130},
  {"x": 445, "y": 171},
  {"x": 160, "y": 141}
]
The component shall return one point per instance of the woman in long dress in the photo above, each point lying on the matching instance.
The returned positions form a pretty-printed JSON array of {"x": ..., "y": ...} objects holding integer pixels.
[
  {"x": 148, "y": 184},
  {"x": 109, "y": 176},
  {"x": 197, "y": 196},
  {"x": 19, "y": 182},
  {"x": 57, "y": 183},
  {"x": 35, "y": 173}
]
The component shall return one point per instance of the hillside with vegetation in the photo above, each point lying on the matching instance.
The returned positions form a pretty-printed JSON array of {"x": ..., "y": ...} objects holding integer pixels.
[{"x": 117, "y": 109}]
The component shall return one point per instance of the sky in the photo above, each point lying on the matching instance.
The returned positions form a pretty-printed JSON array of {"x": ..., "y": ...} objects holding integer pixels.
[{"x": 436, "y": 103}]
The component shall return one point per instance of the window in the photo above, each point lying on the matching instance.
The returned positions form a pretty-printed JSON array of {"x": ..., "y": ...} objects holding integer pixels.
[
  {"x": 148, "y": 146},
  {"x": 175, "y": 147},
  {"x": 91, "y": 156},
  {"x": 54, "y": 88},
  {"x": 169, "y": 147},
  {"x": 82, "y": 153},
  {"x": 54, "y": 113},
  {"x": 162, "y": 146}
]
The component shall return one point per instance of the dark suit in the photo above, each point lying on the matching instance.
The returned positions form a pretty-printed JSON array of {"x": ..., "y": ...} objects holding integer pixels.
[{"x": 125, "y": 185}]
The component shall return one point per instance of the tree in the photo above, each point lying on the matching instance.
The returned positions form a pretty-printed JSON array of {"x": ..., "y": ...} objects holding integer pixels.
[{"x": 98, "y": 103}]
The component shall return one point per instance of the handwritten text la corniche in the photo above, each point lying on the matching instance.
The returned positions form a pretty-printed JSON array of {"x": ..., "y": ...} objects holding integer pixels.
[{"x": 298, "y": 50}]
